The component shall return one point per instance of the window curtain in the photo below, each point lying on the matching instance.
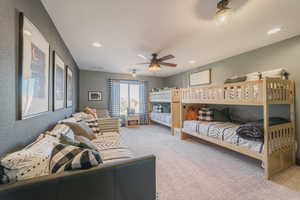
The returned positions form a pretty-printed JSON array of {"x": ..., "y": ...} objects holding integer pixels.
[{"x": 114, "y": 99}]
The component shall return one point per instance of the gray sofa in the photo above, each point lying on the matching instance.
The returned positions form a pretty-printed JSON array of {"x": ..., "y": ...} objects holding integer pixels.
[{"x": 132, "y": 179}]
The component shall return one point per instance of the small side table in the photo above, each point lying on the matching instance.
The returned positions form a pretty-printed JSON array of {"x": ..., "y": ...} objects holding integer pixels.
[{"x": 133, "y": 121}]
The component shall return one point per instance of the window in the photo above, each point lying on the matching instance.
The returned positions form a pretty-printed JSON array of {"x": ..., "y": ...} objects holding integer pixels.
[{"x": 128, "y": 98}]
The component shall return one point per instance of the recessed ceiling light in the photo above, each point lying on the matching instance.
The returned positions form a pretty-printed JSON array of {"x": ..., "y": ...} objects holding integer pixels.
[
  {"x": 97, "y": 44},
  {"x": 27, "y": 32},
  {"x": 274, "y": 30},
  {"x": 192, "y": 62}
]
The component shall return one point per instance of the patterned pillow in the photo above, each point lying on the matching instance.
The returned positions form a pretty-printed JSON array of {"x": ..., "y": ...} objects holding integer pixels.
[
  {"x": 206, "y": 114},
  {"x": 93, "y": 124},
  {"x": 67, "y": 157}
]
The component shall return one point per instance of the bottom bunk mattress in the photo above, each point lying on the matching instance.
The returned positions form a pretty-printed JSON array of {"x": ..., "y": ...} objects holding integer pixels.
[
  {"x": 161, "y": 117},
  {"x": 225, "y": 131}
]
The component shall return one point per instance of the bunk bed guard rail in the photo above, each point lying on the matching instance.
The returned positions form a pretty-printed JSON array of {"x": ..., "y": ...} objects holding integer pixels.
[{"x": 244, "y": 93}]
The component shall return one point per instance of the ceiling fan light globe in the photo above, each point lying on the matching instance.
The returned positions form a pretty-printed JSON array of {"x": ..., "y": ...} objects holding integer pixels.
[{"x": 154, "y": 67}]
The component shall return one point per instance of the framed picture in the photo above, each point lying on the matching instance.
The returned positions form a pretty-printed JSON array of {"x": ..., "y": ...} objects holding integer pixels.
[
  {"x": 95, "y": 96},
  {"x": 69, "y": 87},
  {"x": 34, "y": 70},
  {"x": 59, "y": 79},
  {"x": 200, "y": 78}
]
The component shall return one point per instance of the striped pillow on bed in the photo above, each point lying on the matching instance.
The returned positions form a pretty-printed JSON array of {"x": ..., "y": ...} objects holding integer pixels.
[{"x": 206, "y": 114}]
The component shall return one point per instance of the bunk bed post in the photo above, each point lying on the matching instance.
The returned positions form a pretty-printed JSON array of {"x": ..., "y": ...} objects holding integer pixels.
[
  {"x": 292, "y": 118},
  {"x": 175, "y": 111},
  {"x": 266, "y": 159}
]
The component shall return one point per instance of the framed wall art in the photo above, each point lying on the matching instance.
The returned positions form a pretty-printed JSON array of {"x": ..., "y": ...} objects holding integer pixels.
[
  {"x": 200, "y": 78},
  {"x": 59, "y": 79},
  {"x": 34, "y": 70},
  {"x": 95, "y": 96},
  {"x": 69, "y": 87}
]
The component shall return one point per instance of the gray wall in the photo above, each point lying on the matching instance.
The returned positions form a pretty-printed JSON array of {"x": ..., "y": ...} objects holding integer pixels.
[
  {"x": 285, "y": 54},
  {"x": 12, "y": 131},
  {"x": 97, "y": 81}
]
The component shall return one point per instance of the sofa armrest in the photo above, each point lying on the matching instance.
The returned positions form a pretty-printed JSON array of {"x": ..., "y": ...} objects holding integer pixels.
[{"x": 132, "y": 179}]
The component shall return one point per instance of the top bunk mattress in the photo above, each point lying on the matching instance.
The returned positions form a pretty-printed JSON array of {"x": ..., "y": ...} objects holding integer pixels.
[{"x": 225, "y": 131}]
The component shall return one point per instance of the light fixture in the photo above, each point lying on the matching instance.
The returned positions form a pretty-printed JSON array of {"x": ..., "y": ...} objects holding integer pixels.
[
  {"x": 133, "y": 73},
  {"x": 154, "y": 67},
  {"x": 223, "y": 13},
  {"x": 97, "y": 44},
  {"x": 192, "y": 62},
  {"x": 274, "y": 30},
  {"x": 26, "y": 32}
]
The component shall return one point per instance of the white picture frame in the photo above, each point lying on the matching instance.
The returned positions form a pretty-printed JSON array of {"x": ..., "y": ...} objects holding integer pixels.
[
  {"x": 200, "y": 78},
  {"x": 70, "y": 83},
  {"x": 59, "y": 85},
  {"x": 34, "y": 70},
  {"x": 94, "y": 96}
]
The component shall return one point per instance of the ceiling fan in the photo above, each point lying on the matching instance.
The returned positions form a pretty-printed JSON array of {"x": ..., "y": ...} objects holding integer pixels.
[{"x": 155, "y": 63}]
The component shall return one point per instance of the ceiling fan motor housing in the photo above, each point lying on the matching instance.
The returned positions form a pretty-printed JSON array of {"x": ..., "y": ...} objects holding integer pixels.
[{"x": 223, "y": 4}]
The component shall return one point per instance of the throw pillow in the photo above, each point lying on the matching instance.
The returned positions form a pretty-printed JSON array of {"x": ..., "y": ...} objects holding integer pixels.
[
  {"x": 82, "y": 116},
  {"x": 82, "y": 129},
  {"x": 62, "y": 129},
  {"x": 192, "y": 114},
  {"x": 90, "y": 111},
  {"x": 94, "y": 125},
  {"x": 67, "y": 157},
  {"x": 206, "y": 114},
  {"x": 85, "y": 143}
]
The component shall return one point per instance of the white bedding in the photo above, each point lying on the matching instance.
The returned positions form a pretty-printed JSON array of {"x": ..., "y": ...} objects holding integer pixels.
[
  {"x": 224, "y": 131},
  {"x": 162, "y": 117}
]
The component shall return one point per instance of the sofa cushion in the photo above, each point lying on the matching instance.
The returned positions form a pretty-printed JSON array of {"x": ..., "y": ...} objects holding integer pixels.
[
  {"x": 32, "y": 161},
  {"x": 67, "y": 157}
]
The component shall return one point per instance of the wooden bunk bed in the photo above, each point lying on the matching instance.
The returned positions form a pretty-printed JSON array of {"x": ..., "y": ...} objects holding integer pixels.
[
  {"x": 279, "y": 140},
  {"x": 170, "y": 96}
]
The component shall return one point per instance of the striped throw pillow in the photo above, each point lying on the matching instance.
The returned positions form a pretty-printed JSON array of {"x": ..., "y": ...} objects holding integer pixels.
[
  {"x": 94, "y": 125},
  {"x": 68, "y": 157},
  {"x": 206, "y": 114}
]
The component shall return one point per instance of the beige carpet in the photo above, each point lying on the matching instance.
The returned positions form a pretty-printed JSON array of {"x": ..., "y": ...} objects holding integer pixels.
[{"x": 189, "y": 170}]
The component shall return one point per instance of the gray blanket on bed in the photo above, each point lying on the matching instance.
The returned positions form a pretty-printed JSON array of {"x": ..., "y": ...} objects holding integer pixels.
[{"x": 255, "y": 130}]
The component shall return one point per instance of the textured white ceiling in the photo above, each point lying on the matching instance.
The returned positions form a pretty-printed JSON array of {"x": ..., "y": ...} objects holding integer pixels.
[{"x": 185, "y": 29}]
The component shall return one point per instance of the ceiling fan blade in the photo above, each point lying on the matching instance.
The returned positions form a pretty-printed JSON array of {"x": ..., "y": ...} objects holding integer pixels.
[
  {"x": 147, "y": 63},
  {"x": 168, "y": 64},
  {"x": 144, "y": 57},
  {"x": 166, "y": 58}
]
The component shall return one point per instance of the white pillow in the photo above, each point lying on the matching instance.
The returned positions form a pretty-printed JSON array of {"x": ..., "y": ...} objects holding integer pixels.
[
  {"x": 82, "y": 116},
  {"x": 62, "y": 129}
]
